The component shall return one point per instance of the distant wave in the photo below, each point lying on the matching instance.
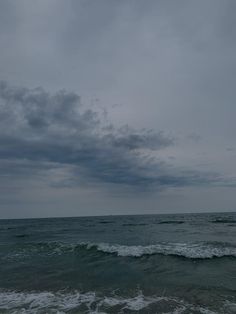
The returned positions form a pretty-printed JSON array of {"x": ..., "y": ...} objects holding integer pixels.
[
  {"x": 174, "y": 222},
  {"x": 90, "y": 302},
  {"x": 133, "y": 224},
  {"x": 188, "y": 250},
  {"x": 224, "y": 221},
  {"x": 23, "y": 235},
  {"x": 171, "y": 222}
]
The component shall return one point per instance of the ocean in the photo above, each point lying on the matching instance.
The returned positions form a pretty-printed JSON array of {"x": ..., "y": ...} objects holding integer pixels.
[{"x": 183, "y": 263}]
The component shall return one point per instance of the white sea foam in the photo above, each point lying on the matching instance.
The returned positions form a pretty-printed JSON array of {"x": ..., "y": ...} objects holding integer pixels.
[
  {"x": 230, "y": 306},
  {"x": 188, "y": 250},
  {"x": 62, "y": 302},
  {"x": 136, "y": 303},
  {"x": 20, "y": 302},
  {"x": 188, "y": 308}
]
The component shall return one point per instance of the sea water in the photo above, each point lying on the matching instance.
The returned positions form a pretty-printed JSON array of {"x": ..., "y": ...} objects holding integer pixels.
[{"x": 183, "y": 263}]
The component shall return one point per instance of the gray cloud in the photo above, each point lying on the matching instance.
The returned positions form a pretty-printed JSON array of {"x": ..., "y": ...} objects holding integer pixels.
[{"x": 56, "y": 129}]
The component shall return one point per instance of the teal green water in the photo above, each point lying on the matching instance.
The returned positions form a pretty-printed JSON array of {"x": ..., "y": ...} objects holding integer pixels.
[{"x": 119, "y": 264}]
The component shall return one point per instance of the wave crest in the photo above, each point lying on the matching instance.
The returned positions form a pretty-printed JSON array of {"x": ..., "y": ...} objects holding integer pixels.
[
  {"x": 199, "y": 250},
  {"x": 187, "y": 250}
]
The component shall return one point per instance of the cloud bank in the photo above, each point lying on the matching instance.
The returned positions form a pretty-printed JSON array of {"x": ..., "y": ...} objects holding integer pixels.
[{"x": 41, "y": 131}]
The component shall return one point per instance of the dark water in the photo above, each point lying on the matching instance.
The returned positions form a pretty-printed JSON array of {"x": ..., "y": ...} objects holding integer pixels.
[{"x": 119, "y": 264}]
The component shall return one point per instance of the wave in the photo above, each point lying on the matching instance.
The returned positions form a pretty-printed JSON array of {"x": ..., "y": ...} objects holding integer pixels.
[
  {"x": 187, "y": 250},
  {"x": 172, "y": 222},
  {"x": 23, "y": 235},
  {"x": 133, "y": 224},
  {"x": 90, "y": 302},
  {"x": 224, "y": 221},
  {"x": 202, "y": 250}
]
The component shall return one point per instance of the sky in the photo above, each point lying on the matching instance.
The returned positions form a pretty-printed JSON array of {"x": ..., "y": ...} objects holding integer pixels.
[{"x": 117, "y": 107}]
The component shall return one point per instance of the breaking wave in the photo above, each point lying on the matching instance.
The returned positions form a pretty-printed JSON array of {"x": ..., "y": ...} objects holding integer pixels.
[
  {"x": 187, "y": 250},
  {"x": 199, "y": 250}
]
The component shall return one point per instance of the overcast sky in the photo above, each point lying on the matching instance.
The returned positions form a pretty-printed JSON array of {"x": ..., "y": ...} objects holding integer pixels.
[{"x": 117, "y": 107}]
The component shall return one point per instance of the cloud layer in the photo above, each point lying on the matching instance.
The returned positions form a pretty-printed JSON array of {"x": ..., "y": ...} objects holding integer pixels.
[{"x": 56, "y": 131}]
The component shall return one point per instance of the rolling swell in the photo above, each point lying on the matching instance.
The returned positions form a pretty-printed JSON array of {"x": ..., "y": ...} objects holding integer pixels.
[
  {"x": 206, "y": 250},
  {"x": 223, "y": 221},
  {"x": 172, "y": 222}
]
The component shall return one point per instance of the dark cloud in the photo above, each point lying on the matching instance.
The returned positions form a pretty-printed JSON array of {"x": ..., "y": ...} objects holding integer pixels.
[{"x": 41, "y": 129}]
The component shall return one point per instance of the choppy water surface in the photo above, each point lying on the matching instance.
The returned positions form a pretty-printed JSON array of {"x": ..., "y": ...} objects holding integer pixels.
[{"x": 119, "y": 264}]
